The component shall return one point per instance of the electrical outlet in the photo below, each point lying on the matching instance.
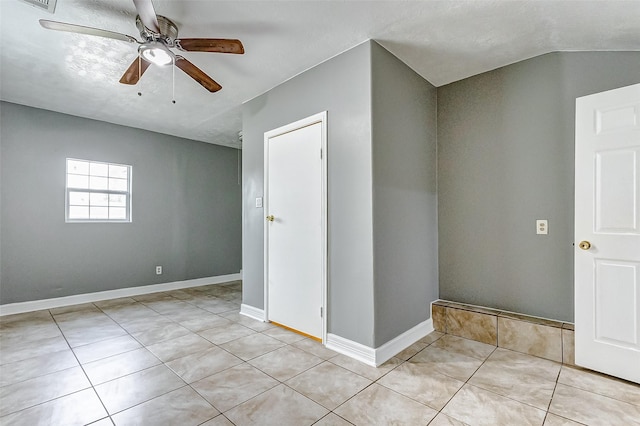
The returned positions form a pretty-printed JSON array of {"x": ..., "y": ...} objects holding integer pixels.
[
  {"x": 158, "y": 270},
  {"x": 542, "y": 226}
]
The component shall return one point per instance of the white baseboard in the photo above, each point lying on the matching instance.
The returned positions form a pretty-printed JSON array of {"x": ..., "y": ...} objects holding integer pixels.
[
  {"x": 351, "y": 349},
  {"x": 251, "y": 312},
  {"x": 403, "y": 341},
  {"x": 382, "y": 354},
  {"x": 36, "y": 305}
]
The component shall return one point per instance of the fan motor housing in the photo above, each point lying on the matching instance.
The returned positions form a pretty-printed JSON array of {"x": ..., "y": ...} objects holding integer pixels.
[{"x": 168, "y": 30}]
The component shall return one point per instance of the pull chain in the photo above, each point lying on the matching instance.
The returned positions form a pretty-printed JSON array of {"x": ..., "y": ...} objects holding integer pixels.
[
  {"x": 173, "y": 83},
  {"x": 173, "y": 77},
  {"x": 139, "y": 70}
]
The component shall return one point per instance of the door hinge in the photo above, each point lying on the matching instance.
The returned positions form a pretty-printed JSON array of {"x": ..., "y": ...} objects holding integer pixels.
[
  {"x": 320, "y": 153},
  {"x": 321, "y": 312}
]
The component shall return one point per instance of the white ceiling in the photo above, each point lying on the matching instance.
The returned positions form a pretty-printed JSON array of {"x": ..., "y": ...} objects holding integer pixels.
[{"x": 443, "y": 41}]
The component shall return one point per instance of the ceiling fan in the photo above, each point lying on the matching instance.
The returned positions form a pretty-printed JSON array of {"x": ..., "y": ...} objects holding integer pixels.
[{"x": 159, "y": 35}]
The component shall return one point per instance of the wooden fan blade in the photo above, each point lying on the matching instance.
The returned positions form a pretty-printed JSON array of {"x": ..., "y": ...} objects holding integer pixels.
[
  {"x": 197, "y": 74},
  {"x": 135, "y": 71},
  {"x": 72, "y": 28},
  {"x": 147, "y": 14},
  {"x": 220, "y": 45}
]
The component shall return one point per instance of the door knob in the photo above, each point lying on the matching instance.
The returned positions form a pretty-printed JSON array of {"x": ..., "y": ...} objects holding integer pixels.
[
  {"x": 584, "y": 245},
  {"x": 270, "y": 218}
]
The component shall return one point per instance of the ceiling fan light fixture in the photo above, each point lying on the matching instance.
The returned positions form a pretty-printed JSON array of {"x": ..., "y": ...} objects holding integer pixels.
[
  {"x": 158, "y": 34},
  {"x": 156, "y": 53}
]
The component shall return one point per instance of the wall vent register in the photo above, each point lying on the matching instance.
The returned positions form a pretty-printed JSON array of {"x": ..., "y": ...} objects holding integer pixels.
[
  {"x": 97, "y": 191},
  {"x": 47, "y": 5}
]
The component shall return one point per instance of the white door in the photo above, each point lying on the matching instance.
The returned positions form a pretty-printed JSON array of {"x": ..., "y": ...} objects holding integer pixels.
[
  {"x": 295, "y": 225},
  {"x": 607, "y": 232}
]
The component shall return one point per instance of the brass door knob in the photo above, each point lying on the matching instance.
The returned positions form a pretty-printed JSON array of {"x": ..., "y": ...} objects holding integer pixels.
[
  {"x": 270, "y": 218},
  {"x": 584, "y": 245}
]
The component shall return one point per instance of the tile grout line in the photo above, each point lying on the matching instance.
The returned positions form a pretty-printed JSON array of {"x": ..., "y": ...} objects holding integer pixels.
[
  {"x": 82, "y": 366},
  {"x": 145, "y": 347},
  {"x": 465, "y": 383},
  {"x": 510, "y": 398},
  {"x": 497, "y": 315},
  {"x": 264, "y": 372},
  {"x": 164, "y": 364},
  {"x": 389, "y": 389},
  {"x": 220, "y": 412},
  {"x": 555, "y": 386},
  {"x": 285, "y": 345}
]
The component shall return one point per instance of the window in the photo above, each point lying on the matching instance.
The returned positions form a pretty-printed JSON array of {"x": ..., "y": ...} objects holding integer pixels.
[{"x": 99, "y": 192}]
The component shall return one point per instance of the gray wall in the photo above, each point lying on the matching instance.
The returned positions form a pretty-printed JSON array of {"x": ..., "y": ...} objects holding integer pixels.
[
  {"x": 382, "y": 202},
  {"x": 186, "y": 204},
  {"x": 341, "y": 86},
  {"x": 505, "y": 159},
  {"x": 404, "y": 196}
]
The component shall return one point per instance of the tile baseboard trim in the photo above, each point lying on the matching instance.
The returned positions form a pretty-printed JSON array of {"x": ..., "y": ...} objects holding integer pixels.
[
  {"x": 541, "y": 337},
  {"x": 380, "y": 355},
  {"x": 252, "y": 312},
  {"x": 76, "y": 299}
]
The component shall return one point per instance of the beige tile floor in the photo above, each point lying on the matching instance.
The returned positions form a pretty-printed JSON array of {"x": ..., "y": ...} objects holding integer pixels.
[{"x": 187, "y": 357}]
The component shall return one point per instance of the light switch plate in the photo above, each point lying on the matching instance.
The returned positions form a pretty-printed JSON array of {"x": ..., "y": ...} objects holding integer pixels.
[{"x": 259, "y": 202}]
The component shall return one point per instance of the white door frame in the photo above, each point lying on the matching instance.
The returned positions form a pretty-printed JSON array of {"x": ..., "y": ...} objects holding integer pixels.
[{"x": 314, "y": 119}]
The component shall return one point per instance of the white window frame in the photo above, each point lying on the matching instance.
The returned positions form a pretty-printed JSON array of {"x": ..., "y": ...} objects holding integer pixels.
[{"x": 126, "y": 193}]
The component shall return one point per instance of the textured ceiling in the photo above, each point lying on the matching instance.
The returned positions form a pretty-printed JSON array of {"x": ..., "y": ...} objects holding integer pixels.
[{"x": 443, "y": 41}]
